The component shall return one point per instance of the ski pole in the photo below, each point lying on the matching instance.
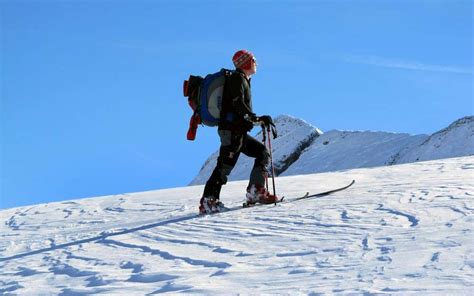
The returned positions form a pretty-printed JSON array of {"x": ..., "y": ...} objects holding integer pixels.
[
  {"x": 264, "y": 140},
  {"x": 271, "y": 162}
]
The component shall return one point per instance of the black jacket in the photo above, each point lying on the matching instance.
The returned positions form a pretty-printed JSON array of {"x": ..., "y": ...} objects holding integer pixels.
[{"x": 236, "y": 103}]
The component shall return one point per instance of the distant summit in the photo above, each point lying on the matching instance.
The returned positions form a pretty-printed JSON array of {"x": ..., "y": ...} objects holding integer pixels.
[{"x": 302, "y": 148}]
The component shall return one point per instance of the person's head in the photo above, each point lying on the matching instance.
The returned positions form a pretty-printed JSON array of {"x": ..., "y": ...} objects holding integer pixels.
[{"x": 245, "y": 60}]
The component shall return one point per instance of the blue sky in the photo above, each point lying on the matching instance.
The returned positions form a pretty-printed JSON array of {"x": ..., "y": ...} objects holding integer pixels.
[{"x": 91, "y": 91}]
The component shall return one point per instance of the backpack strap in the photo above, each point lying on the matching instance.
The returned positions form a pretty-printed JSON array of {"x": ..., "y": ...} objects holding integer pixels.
[{"x": 228, "y": 116}]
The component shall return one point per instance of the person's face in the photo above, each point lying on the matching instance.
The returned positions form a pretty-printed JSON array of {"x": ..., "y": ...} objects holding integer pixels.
[{"x": 253, "y": 67}]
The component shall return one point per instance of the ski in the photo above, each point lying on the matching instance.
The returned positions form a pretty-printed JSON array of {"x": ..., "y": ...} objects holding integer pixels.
[
  {"x": 247, "y": 205},
  {"x": 287, "y": 200},
  {"x": 307, "y": 195}
]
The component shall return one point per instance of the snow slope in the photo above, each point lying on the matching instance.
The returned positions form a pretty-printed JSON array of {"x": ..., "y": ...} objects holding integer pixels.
[
  {"x": 294, "y": 135},
  {"x": 338, "y": 150},
  {"x": 400, "y": 229}
]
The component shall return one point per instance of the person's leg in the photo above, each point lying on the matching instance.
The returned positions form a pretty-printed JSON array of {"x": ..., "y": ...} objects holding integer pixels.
[
  {"x": 254, "y": 148},
  {"x": 231, "y": 144},
  {"x": 256, "y": 191}
]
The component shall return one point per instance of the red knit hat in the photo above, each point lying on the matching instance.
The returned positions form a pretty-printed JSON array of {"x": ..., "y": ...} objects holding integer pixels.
[{"x": 243, "y": 59}]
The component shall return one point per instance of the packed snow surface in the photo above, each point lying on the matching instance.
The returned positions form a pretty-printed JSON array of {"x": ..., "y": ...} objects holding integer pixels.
[{"x": 400, "y": 229}]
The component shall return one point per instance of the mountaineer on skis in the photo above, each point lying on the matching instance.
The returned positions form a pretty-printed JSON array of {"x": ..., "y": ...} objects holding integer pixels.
[{"x": 236, "y": 120}]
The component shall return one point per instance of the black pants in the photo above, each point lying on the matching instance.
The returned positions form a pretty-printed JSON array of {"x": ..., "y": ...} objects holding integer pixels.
[{"x": 232, "y": 144}]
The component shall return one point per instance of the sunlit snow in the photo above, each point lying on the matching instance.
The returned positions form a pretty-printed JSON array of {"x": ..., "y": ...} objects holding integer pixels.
[{"x": 404, "y": 228}]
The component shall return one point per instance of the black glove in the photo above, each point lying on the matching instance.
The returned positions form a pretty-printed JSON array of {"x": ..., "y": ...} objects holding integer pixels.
[
  {"x": 248, "y": 122},
  {"x": 248, "y": 125},
  {"x": 266, "y": 120}
]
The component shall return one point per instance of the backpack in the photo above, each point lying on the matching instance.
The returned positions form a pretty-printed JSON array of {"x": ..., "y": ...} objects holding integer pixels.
[{"x": 205, "y": 98}]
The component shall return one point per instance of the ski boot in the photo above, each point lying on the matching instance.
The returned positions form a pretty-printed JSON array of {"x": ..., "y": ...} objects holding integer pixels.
[
  {"x": 259, "y": 194},
  {"x": 210, "y": 205}
]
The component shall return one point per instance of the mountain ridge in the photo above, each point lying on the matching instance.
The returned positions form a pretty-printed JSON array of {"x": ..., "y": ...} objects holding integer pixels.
[{"x": 303, "y": 148}]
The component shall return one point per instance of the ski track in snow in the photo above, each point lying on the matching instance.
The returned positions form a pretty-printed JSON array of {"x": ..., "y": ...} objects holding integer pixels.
[{"x": 400, "y": 229}]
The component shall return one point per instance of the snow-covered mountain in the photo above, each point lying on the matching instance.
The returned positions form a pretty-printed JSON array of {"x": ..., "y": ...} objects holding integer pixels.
[
  {"x": 403, "y": 230},
  {"x": 312, "y": 151},
  {"x": 454, "y": 141},
  {"x": 294, "y": 135},
  {"x": 339, "y": 150}
]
